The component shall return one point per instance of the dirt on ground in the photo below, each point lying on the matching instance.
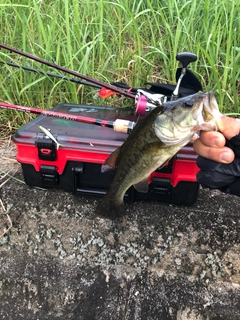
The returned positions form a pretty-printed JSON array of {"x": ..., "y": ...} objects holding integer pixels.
[{"x": 58, "y": 260}]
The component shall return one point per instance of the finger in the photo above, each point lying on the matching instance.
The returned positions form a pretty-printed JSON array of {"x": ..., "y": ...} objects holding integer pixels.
[
  {"x": 212, "y": 139},
  {"x": 222, "y": 155},
  {"x": 230, "y": 127}
]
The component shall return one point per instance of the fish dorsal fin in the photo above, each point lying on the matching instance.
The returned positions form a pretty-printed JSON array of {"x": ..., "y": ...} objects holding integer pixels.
[
  {"x": 142, "y": 186},
  {"x": 110, "y": 162}
]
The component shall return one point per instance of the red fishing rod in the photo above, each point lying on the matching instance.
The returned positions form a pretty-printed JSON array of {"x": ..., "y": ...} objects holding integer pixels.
[
  {"x": 73, "y": 73},
  {"x": 119, "y": 125}
]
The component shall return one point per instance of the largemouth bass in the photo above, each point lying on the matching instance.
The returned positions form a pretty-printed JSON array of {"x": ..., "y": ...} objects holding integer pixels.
[{"x": 154, "y": 140}]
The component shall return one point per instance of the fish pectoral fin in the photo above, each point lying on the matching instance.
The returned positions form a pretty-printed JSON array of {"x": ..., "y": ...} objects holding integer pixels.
[
  {"x": 142, "y": 186},
  {"x": 110, "y": 162}
]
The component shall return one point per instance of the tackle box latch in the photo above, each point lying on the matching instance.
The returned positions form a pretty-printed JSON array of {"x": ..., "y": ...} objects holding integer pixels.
[
  {"x": 49, "y": 176},
  {"x": 161, "y": 187},
  {"x": 77, "y": 172},
  {"x": 46, "y": 149}
]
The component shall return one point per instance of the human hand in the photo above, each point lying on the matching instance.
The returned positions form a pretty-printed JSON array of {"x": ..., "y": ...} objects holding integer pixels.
[{"x": 219, "y": 156}]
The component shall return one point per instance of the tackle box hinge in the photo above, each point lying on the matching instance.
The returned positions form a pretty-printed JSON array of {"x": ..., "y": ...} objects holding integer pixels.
[
  {"x": 46, "y": 149},
  {"x": 49, "y": 176}
]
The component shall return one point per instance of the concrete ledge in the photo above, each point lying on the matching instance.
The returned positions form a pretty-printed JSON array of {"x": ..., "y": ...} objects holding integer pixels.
[{"x": 60, "y": 261}]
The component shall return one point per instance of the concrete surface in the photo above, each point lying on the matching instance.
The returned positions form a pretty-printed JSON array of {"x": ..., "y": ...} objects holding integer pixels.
[{"x": 60, "y": 261}]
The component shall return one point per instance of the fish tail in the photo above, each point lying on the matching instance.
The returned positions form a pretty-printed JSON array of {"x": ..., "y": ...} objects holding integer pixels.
[{"x": 110, "y": 207}]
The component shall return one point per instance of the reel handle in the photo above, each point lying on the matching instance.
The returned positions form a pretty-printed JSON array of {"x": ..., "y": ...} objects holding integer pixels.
[{"x": 185, "y": 58}]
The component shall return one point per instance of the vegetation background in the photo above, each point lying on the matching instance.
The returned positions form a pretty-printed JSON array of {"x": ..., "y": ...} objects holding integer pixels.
[{"x": 120, "y": 40}]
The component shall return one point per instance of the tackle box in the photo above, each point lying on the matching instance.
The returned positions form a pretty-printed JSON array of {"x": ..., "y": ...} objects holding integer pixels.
[{"x": 76, "y": 166}]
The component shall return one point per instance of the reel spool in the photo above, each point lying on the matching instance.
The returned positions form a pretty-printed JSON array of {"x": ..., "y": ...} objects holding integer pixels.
[
  {"x": 141, "y": 105},
  {"x": 142, "y": 102}
]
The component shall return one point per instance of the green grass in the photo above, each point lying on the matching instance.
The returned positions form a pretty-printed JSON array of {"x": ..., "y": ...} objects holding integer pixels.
[{"x": 119, "y": 40}]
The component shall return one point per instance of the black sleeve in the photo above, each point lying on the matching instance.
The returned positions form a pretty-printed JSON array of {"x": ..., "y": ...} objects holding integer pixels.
[{"x": 225, "y": 177}]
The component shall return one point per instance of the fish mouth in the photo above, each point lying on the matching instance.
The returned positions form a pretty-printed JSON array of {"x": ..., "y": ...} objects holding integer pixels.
[
  {"x": 210, "y": 107},
  {"x": 209, "y": 113}
]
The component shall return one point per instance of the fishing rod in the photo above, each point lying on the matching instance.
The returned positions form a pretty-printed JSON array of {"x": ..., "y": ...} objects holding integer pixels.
[
  {"x": 53, "y": 75},
  {"x": 119, "y": 125},
  {"x": 73, "y": 73}
]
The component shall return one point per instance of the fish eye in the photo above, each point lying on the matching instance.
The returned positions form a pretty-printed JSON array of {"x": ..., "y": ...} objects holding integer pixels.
[{"x": 188, "y": 105}]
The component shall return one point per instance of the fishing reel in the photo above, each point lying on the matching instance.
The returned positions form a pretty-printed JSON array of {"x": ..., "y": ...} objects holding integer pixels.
[
  {"x": 146, "y": 101},
  {"x": 158, "y": 93}
]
